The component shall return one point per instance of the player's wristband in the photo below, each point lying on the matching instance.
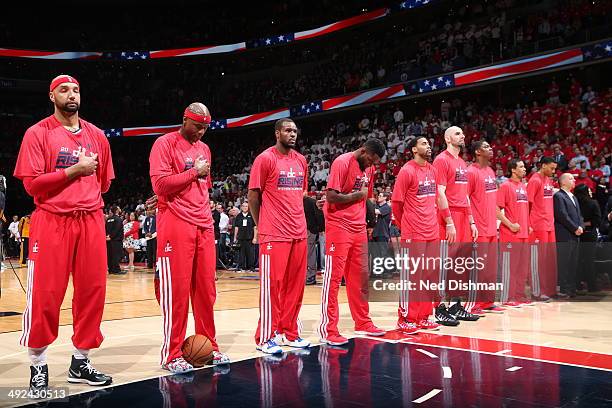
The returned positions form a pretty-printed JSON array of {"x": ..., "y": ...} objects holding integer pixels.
[
  {"x": 445, "y": 213},
  {"x": 450, "y": 225}
]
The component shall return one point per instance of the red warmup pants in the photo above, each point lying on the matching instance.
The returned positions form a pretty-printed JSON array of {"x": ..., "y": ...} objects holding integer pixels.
[
  {"x": 485, "y": 251},
  {"x": 460, "y": 248},
  {"x": 514, "y": 267},
  {"x": 282, "y": 272},
  {"x": 543, "y": 263},
  {"x": 345, "y": 255},
  {"x": 60, "y": 245},
  {"x": 186, "y": 263},
  {"x": 416, "y": 303}
]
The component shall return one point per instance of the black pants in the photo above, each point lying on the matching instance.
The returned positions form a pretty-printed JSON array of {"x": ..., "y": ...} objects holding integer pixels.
[
  {"x": 151, "y": 252},
  {"x": 114, "y": 251},
  {"x": 246, "y": 254},
  {"x": 567, "y": 260},
  {"x": 25, "y": 242},
  {"x": 380, "y": 248}
]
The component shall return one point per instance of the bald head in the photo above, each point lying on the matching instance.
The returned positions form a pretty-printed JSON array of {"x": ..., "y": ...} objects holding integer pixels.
[
  {"x": 198, "y": 108},
  {"x": 567, "y": 181},
  {"x": 454, "y": 138},
  {"x": 196, "y": 121}
]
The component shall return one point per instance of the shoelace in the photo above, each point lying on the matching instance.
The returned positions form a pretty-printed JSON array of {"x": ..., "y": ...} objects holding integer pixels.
[
  {"x": 39, "y": 378},
  {"x": 87, "y": 366}
]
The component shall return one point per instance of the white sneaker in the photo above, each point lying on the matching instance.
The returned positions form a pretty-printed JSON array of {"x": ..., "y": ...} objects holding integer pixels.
[
  {"x": 220, "y": 358},
  {"x": 178, "y": 365},
  {"x": 297, "y": 343},
  {"x": 270, "y": 347}
]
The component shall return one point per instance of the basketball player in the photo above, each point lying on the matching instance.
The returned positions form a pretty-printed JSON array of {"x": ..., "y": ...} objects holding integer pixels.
[
  {"x": 65, "y": 164},
  {"x": 180, "y": 176},
  {"x": 482, "y": 192},
  {"x": 278, "y": 182},
  {"x": 541, "y": 218},
  {"x": 413, "y": 202},
  {"x": 513, "y": 234},
  {"x": 346, "y": 250},
  {"x": 454, "y": 215}
]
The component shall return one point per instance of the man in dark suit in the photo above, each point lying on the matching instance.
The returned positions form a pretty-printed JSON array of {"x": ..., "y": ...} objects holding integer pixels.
[
  {"x": 114, "y": 241},
  {"x": 315, "y": 223},
  {"x": 568, "y": 228},
  {"x": 244, "y": 234},
  {"x": 150, "y": 231}
]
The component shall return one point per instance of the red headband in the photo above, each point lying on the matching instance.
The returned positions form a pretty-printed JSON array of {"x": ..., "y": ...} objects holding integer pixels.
[
  {"x": 197, "y": 117},
  {"x": 60, "y": 80}
]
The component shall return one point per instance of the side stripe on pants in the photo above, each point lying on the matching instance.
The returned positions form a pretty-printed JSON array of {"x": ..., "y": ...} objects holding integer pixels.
[
  {"x": 26, "y": 321},
  {"x": 165, "y": 280},
  {"x": 404, "y": 277},
  {"x": 322, "y": 329},
  {"x": 265, "y": 332},
  {"x": 535, "y": 273}
]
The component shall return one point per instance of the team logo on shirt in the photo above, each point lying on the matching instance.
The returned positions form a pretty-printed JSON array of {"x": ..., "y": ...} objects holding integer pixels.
[
  {"x": 426, "y": 188},
  {"x": 290, "y": 180},
  {"x": 460, "y": 175},
  {"x": 332, "y": 247},
  {"x": 168, "y": 247},
  {"x": 360, "y": 181},
  {"x": 66, "y": 158},
  {"x": 548, "y": 191},
  {"x": 521, "y": 195},
  {"x": 35, "y": 248},
  {"x": 188, "y": 163},
  {"x": 490, "y": 185}
]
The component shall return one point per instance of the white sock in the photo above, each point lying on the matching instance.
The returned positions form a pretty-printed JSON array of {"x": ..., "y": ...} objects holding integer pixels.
[
  {"x": 38, "y": 356},
  {"x": 80, "y": 354}
]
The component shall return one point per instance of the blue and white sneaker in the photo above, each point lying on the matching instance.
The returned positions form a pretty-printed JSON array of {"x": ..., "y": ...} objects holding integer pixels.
[
  {"x": 270, "y": 347},
  {"x": 297, "y": 343}
]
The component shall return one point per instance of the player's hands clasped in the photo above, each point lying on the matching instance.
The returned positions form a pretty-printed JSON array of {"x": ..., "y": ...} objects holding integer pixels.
[
  {"x": 202, "y": 166},
  {"x": 87, "y": 165}
]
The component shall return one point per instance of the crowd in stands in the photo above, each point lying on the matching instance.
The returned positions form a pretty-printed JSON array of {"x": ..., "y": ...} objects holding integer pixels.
[
  {"x": 575, "y": 133},
  {"x": 456, "y": 36}
]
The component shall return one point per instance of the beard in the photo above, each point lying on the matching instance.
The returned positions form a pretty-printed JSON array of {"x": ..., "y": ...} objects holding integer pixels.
[
  {"x": 70, "y": 107},
  {"x": 286, "y": 145}
]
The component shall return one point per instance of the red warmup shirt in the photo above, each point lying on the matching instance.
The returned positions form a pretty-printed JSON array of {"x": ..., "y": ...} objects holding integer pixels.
[
  {"x": 452, "y": 173},
  {"x": 48, "y": 147},
  {"x": 282, "y": 180},
  {"x": 482, "y": 190},
  {"x": 512, "y": 198},
  {"x": 346, "y": 177},
  {"x": 540, "y": 193},
  {"x": 416, "y": 191},
  {"x": 176, "y": 181}
]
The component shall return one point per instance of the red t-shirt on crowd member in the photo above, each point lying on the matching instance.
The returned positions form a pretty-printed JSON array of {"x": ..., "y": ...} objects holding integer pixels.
[
  {"x": 172, "y": 155},
  {"x": 540, "y": 194},
  {"x": 48, "y": 147},
  {"x": 345, "y": 176},
  {"x": 482, "y": 191},
  {"x": 282, "y": 180},
  {"x": 416, "y": 189},
  {"x": 512, "y": 198},
  {"x": 452, "y": 173}
]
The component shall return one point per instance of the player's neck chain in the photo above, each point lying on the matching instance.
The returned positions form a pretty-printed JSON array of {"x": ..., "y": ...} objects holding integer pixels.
[{"x": 75, "y": 129}]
